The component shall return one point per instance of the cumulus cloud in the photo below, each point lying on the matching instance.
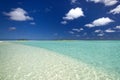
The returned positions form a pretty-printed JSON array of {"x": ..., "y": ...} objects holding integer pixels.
[
  {"x": 109, "y": 30},
  {"x": 98, "y": 31},
  {"x": 105, "y": 2},
  {"x": 77, "y": 30},
  {"x": 117, "y": 27},
  {"x": 90, "y": 25},
  {"x": 18, "y": 14},
  {"x": 63, "y": 22},
  {"x": 100, "y": 22},
  {"x": 115, "y": 10},
  {"x": 74, "y": 14}
]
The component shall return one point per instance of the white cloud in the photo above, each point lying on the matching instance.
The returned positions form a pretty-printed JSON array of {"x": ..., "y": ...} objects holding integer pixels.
[
  {"x": 74, "y": 14},
  {"x": 89, "y": 25},
  {"x": 63, "y": 22},
  {"x": 117, "y": 27},
  {"x": 18, "y": 14},
  {"x": 101, "y": 34},
  {"x": 33, "y": 23},
  {"x": 77, "y": 30},
  {"x": 100, "y": 22},
  {"x": 12, "y": 28},
  {"x": 115, "y": 10},
  {"x": 105, "y": 2},
  {"x": 73, "y": 1},
  {"x": 71, "y": 32},
  {"x": 109, "y": 30},
  {"x": 98, "y": 31}
]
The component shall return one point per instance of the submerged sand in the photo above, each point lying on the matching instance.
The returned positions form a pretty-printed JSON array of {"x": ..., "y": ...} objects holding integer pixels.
[{"x": 20, "y": 62}]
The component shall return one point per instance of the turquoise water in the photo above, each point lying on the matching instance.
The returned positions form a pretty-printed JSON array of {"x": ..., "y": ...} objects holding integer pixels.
[{"x": 100, "y": 54}]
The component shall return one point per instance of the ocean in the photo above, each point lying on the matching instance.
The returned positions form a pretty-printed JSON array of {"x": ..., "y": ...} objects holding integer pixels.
[
  {"x": 100, "y": 54},
  {"x": 60, "y": 60}
]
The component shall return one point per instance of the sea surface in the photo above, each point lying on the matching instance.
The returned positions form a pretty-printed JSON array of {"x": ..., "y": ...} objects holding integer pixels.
[{"x": 103, "y": 55}]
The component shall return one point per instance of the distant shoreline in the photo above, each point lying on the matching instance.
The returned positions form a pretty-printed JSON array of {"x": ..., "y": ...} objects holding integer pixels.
[
  {"x": 55, "y": 39},
  {"x": 65, "y": 40}
]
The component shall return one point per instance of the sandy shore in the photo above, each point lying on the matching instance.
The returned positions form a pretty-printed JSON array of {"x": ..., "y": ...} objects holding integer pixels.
[{"x": 20, "y": 62}]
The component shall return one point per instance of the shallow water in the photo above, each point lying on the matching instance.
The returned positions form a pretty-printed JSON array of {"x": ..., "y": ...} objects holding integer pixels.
[
  {"x": 60, "y": 60},
  {"x": 100, "y": 54}
]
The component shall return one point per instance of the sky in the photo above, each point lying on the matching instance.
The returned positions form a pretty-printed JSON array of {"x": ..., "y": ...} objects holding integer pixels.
[{"x": 59, "y": 19}]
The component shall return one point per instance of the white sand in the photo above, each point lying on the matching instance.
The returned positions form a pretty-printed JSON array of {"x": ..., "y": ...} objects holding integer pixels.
[{"x": 20, "y": 62}]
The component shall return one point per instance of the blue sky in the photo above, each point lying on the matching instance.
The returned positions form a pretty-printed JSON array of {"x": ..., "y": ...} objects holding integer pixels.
[{"x": 60, "y": 19}]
